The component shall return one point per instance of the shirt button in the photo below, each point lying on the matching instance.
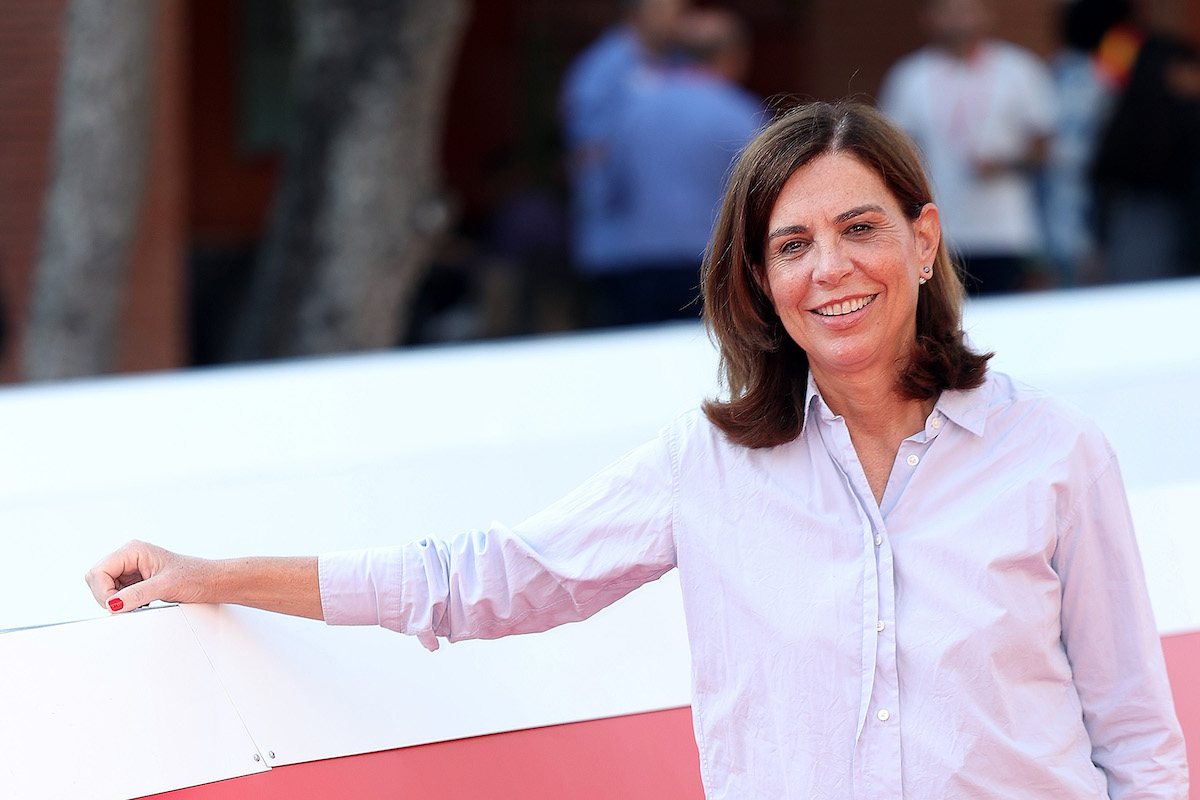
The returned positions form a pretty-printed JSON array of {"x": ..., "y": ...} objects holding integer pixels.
[
  {"x": 879, "y": 626},
  {"x": 912, "y": 460},
  {"x": 936, "y": 423},
  {"x": 878, "y": 540},
  {"x": 883, "y": 715}
]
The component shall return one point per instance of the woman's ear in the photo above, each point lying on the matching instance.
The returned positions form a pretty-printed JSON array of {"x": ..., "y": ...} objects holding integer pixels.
[{"x": 927, "y": 228}]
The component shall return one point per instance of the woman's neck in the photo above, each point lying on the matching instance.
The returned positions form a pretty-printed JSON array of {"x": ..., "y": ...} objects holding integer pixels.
[
  {"x": 871, "y": 402},
  {"x": 878, "y": 419}
]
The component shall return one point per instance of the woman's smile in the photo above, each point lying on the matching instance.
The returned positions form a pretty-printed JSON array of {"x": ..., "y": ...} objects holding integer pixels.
[{"x": 842, "y": 307}]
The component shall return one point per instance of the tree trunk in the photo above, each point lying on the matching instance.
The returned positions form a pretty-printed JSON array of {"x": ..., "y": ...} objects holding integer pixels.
[
  {"x": 359, "y": 204},
  {"x": 95, "y": 196}
]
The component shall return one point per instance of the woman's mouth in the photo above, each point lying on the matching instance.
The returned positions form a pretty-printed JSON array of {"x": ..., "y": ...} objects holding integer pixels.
[{"x": 845, "y": 306}]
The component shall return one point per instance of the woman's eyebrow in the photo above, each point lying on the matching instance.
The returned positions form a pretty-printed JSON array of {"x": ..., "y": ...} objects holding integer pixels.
[
  {"x": 792, "y": 230},
  {"x": 857, "y": 211},
  {"x": 787, "y": 230}
]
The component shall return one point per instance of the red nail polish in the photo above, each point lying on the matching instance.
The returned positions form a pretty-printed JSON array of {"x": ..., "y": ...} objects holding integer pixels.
[{"x": 116, "y": 604}]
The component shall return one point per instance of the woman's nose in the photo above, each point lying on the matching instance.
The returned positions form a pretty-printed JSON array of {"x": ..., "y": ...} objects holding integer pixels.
[{"x": 832, "y": 265}]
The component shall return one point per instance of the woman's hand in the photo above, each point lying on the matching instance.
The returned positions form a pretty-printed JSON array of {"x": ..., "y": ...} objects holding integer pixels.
[{"x": 140, "y": 573}]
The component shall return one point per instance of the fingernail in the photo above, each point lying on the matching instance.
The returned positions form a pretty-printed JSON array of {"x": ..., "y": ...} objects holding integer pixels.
[{"x": 116, "y": 604}]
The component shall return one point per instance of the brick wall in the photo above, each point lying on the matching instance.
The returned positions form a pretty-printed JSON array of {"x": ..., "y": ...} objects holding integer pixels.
[
  {"x": 30, "y": 39},
  {"x": 154, "y": 328},
  {"x": 29, "y": 55}
]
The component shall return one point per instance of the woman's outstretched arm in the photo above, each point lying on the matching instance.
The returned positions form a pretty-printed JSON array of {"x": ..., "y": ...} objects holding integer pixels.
[{"x": 140, "y": 573}]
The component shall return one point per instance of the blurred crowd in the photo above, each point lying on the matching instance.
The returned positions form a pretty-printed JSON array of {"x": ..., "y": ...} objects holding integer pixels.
[{"x": 1079, "y": 169}]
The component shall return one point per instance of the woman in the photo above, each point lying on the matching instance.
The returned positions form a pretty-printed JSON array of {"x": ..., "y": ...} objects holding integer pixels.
[{"x": 903, "y": 575}]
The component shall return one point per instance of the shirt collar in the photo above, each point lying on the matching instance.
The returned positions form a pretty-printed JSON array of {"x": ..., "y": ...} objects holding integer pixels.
[
  {"x": 814, "y": 404},
  {"x": 965, "y": 408}
]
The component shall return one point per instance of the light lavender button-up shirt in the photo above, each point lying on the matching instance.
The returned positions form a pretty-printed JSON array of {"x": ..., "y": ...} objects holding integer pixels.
[{"x": 985, "y": 631}]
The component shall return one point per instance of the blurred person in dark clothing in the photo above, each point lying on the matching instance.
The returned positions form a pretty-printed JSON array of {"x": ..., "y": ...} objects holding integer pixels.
[{"x": 1147, "y": 167}]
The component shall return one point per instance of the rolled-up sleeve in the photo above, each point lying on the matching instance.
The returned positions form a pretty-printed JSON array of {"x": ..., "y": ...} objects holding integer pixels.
[
  {"x": 1114, "y": 649},
  {"x": 361, "y": 587},
  {"x": 606, "y": 538}
]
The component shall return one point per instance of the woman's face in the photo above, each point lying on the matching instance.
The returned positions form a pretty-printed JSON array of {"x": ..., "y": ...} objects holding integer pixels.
[{"x": 842, "y": 268}]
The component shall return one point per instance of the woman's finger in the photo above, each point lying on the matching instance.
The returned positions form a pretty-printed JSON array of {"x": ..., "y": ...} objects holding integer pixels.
[{"x": 127, "y": 566}]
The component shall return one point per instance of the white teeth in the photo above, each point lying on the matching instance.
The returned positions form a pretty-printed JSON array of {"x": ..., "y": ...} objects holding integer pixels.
[{"x": 845, "y": 307}]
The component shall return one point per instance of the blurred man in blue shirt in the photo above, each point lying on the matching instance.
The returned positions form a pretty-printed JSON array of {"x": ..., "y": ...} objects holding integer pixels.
[
  {"x": 671, "y": 151},
  {"x": 594, "y": 95}
]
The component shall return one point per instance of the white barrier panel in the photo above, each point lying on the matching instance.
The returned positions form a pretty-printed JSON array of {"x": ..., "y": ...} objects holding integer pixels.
[
  {"x": 307, "y": 692},
  {"x": 370, "y": 450},
  {"x": 115, "y": 708}
]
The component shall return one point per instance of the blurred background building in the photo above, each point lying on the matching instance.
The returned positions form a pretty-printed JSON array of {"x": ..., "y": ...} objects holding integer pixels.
[{"x": 219, "y": 94}]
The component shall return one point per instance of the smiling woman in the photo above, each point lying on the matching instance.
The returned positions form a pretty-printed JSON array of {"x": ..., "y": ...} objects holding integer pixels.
[
  {"x": 903, "y": 574},
  {"x": 828, "y": 213}
]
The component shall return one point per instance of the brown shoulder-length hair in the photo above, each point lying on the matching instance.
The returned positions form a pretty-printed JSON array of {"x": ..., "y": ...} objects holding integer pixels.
[{"x": 763, "y": 370}]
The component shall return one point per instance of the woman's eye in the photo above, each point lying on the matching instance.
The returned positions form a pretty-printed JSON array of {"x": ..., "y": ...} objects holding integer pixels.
[
  {"x": 859, "y": 227},
  {"x": 791, "y": 247}
]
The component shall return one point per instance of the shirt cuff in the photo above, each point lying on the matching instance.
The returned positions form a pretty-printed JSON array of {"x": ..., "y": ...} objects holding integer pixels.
[{"x": 360, "y": 587}]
